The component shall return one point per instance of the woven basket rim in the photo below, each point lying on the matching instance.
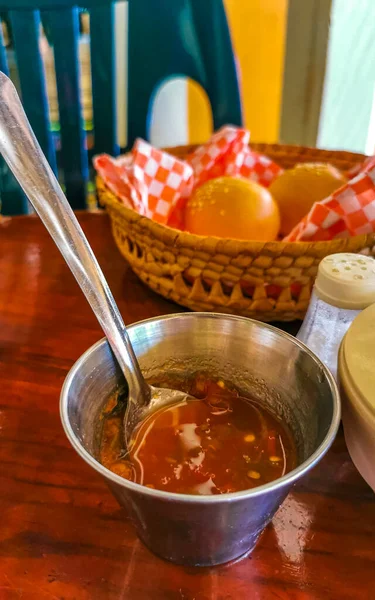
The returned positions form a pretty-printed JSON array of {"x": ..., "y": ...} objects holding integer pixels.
[
  {"x": 176, "y": 237},
  {"x": 344, "y": 154}
]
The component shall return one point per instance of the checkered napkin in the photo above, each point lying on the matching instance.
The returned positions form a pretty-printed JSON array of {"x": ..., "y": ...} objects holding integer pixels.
[
  {"x": 228, "y": 153},
  {"x": 348, "y": 211},
  {"x": 148, "y": 180},
  {"x": 156, "y": 184}
]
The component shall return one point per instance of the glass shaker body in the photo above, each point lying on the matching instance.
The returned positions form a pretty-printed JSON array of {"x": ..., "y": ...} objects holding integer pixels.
[
  {"x": 323, "y": 329},
  {"x": 344, "y": 286}
]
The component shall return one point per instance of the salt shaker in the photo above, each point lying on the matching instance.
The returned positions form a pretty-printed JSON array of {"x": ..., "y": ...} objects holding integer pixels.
[{"x": 344, "y": 286}]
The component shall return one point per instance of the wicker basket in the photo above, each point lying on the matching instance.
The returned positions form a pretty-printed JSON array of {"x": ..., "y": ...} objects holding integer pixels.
[{"x": 212, "y": 274}]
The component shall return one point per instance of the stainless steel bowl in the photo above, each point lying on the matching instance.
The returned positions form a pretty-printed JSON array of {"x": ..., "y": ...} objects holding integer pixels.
[{"x": 279, "y": 370}]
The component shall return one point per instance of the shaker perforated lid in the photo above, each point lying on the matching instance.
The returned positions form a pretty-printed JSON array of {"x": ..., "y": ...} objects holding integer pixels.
[{"x": 346, "y": 280}]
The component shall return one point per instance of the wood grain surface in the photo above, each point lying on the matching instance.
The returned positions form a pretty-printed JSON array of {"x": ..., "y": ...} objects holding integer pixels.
[{"x": 62, "y": 535}]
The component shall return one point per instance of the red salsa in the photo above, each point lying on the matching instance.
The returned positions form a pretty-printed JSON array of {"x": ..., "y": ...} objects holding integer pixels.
[{"x": 217, "y": 444}]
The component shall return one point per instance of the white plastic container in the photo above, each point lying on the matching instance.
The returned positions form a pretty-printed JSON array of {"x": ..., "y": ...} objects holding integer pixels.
[
  {"x": 344, "y": 286},
  {"x": 357, "y": 384}
]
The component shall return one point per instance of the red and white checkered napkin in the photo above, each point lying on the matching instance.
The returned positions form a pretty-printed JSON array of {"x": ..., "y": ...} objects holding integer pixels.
[
  {"x": 148, "y": 180},
  {"x": 348, "y": 211},
  {"x": 157, "y": 184},
  {"x": 228, "y": 153}
]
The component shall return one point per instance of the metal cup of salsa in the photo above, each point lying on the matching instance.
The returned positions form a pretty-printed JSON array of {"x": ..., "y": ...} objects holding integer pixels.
[{"x": 264, "y": 363}]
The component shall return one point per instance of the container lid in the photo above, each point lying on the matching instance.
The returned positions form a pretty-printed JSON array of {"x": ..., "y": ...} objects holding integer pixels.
[
  {"x": 357, "y": 359},
  {"x": 346, "y": 280}
]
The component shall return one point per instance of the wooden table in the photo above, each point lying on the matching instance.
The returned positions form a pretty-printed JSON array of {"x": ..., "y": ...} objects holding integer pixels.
[{"x": 62, "y": 535}]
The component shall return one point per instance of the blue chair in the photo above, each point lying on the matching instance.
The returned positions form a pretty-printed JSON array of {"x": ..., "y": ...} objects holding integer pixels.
[{"x": 166, "y": 39}]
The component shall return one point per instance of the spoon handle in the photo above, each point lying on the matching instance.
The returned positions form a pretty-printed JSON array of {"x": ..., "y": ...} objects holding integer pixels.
[{"x": 25, "y": 158}]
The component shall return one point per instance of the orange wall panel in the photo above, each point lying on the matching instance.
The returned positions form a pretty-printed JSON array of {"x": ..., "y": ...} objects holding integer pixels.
[{"x": 258, "y": 30}]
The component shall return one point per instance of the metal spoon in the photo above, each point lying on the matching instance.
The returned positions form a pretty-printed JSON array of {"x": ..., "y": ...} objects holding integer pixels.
[{"x": 25, "y": 158}]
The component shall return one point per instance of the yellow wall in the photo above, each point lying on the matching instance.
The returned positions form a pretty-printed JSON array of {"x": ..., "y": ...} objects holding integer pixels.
[{"x": 258, "y": 30}]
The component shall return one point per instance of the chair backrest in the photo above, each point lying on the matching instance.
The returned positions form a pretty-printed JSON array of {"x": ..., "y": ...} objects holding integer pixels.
[{"x": 165, "y": 39}]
